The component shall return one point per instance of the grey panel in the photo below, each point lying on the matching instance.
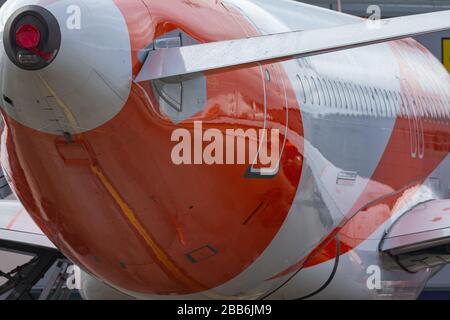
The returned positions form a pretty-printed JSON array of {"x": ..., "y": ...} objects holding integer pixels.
[{"x": 179, "y": 100}]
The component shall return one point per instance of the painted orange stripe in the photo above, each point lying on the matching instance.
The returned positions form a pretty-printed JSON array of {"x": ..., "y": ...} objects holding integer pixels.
[{"x": 129, "y": 214}]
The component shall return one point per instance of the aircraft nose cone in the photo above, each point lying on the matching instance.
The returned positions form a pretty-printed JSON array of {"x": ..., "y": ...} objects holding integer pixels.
[{"x": 32, "y": 37}]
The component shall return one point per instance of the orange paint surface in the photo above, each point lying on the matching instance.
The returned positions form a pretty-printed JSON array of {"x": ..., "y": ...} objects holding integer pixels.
[{"x": 114, "y": 202}]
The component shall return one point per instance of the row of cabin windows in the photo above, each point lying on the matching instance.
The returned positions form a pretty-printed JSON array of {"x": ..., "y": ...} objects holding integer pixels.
[{"x": 370, "y": 101}]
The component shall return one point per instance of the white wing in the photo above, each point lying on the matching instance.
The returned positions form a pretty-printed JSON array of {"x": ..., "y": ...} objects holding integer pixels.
[
  {"x": 17, "y": 226},
  {"x": 421, "y": 237},
  {"x": 186, "y": 62}
]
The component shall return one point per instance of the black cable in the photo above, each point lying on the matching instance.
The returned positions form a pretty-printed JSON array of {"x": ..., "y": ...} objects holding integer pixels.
[
  {"x": 336, "y": 264},
  {"x": 397, "y": 259},
  {"x": 282, "y": 285},
  {"x": 332, "y": 275}
]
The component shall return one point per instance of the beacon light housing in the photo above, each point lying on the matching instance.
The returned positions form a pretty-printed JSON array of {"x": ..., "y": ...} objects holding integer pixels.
[{"x": 32, "y": 37}]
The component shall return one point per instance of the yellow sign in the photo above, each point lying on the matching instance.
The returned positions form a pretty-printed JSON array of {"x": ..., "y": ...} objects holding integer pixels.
[{"x": 446, "y": 53}]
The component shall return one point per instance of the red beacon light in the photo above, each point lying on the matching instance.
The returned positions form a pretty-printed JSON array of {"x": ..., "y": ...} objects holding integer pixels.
[
  {"x": 32, "y": 37},
  {"x": 28, "y": 36}
]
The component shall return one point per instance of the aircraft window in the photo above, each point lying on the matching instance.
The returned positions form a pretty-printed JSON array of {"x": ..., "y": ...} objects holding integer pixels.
[
  {"x": 398, "y": 105},
  {"x": 447, "y": 103},
  {"x": 389, "y": 103},
  {"x": 436, "y": 111},
  {"x": 360, "y": 96},
  {"x": 340, "y": 102},
  {"x": 371, "y": 103},
  {"x": 446, "y": 109},
  {"x": 373, "y": 100},
  {"x": 353, "y": 96},
  {"x": 368, "y": 100},
  {"x": 433, "y": 112},
  {"x": 422, "y": 106},
  {"x": 384, "y": 103},
  {"x": 416, "y": 106},
  {"x": 434, "y": 106},
  {"x": 311, "y": 96},
  {"x": 316, "y": 89},
  {"x": 302, "y": 89},
  {"x": 332, "y": 94},
  {"x": 345, "y": 98},
  {"x": 425, "y": 113},
  {"x": 402, "y": 105},
  {"x": 405, "y": 106},
  {"x": 379, "y": 100},
  {"x": 321, "y": 92},
  {"x": 444, "y": 112},
  {"x": 439, "y": 107},
  {"x": 326, "y": 92},
  {"x": 442, "y": 108},
  {"x": 348, "y": 95},
  {"x": 410, "y": 106},
  {"x": 342, "y": 94},
  {"x": 393, "y": 97},
  {"x": 373, "y": 109}
]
